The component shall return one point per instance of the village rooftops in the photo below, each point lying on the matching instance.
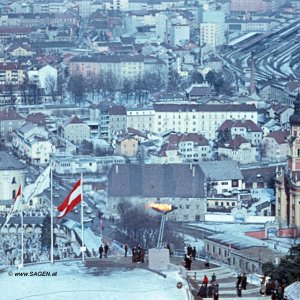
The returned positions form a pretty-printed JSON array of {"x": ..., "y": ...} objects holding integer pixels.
[
  {"x": 248, "y": 124},
  {"x": 221, "y": 170},
  {"x": 156, "y": 180},
  {"x": 9, "y": 162},
  {"x": 187, "y": 107},
  {"x": 9, "y": 114}
]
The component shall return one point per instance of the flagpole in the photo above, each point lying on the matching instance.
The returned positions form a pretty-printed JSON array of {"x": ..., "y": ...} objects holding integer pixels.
[
  {"x": 82, "y": 242},
  {"x": 22, "y": 233},
  {"x": 51, "y": 211}
]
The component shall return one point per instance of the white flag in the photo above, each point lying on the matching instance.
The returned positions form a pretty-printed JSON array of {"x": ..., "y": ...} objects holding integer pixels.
[
  {"x": 14, "y": 207},
  {"x": 36, "y": 188}
]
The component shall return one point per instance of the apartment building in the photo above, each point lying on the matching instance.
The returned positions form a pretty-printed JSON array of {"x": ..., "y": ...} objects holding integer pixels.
[
  {"x": 203, "y": 118},
  {"x": 11, "y": 73},
  {"x": 121, "y": 67}
]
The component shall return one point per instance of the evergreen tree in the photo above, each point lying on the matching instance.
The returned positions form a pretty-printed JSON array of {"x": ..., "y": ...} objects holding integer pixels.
[
  {"x": 288, "y": 270},
  {"x": 46, "y": 233}
]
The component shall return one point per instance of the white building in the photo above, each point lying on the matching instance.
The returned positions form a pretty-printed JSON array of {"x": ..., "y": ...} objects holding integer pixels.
[
  {"x": 212, "y": 30},
  {"x": 70, "y": 164},
  {"x": 180, "y": 33},
  {"x": 32, "y": 142},
  {"x": 203, "y": 118},
  {"x": 221, "y": 176},
  {"x": 12, "y": 175},
  {"x": 45, "y": 77}
]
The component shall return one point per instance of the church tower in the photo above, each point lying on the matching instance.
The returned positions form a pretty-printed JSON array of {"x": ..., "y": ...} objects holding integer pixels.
[{"x": 288, "y": 181}]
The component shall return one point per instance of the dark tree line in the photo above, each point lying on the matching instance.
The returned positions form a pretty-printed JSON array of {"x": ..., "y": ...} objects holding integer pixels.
[
  {"x": 288, "y": 269},
  {"x": 139, "y": 226}
]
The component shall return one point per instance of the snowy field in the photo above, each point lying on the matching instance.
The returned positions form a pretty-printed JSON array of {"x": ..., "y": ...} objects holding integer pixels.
[{"x": 75, "y": 281}]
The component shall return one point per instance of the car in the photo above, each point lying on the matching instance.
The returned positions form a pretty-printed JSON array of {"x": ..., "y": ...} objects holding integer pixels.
[{"x": 56, "y": 195}]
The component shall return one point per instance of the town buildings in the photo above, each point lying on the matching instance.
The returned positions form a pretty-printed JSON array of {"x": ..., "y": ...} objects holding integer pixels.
[{"x": 287, "y": 181}]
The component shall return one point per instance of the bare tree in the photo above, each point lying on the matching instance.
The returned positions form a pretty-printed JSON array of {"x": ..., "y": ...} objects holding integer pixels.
[
  {"x": 77, "y": 88},
  {"x": 127, "y": 88},
  {"x": 174, "y": 81},
  {"x": 50, "y": 87}
]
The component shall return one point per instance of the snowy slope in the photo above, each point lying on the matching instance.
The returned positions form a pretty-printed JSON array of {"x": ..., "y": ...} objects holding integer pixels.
[{"x": 75, "y": 281}]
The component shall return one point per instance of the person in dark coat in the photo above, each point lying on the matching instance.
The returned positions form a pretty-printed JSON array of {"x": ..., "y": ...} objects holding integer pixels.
[
  {"x": 203, "y": 291},
  {"x": 126, "y": 249},
  {"x": 106, "y": 250},
  {"x": 239, "y": 280},
  {"x": 239, "y": 291},
  {"x": 244, "y": 282},
  {"x": 101, "y": 251},
  {"x": 194, "y": 252},
  {"x": 188, "y": 262}
]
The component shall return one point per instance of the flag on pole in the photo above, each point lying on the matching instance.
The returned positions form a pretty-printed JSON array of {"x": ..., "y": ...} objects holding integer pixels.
[
  {"x": 71, "y": 200},
  {"x": 14, "y": 207},
  {"x": 36, "y": 188}
]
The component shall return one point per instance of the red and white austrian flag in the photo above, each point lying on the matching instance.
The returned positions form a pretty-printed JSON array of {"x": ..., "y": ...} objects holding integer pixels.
[
  {"x": 74, "y": 198},
  {"x": 15, "y": 206}
]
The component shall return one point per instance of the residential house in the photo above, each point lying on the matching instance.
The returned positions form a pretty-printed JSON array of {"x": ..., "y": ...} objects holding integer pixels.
[
  {"x": 126, "y": 145},
  {"x": 167, "y": 154},
  {"x": 198, "y": 91},
  {"x": 32, "y": 142},
  {"x": 259, "y": 178},
  {"x": 174, "y": 184},
  {"x": 245, "y": 253},
  {"x": 221, "y": 176},
  {"x": 245, "y": 128},
  {"x": 111, "y": 118},
  {"x": 10, "y": 120},
  {"x": 239, "y": 149},
  {"x": 18, "y": 50},
  {"x": 281, "y": 113},
  {"x": 11, "y": 73},
  {"x": 12, "y": 175},
  {"x": 275, "y": 146},
  {"x": 45, "y": 76},
  {"x": 75, "y": 130}
]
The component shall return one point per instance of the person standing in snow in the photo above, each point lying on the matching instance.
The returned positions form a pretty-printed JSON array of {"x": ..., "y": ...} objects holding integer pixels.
[
  {"x": 126, "y": 249},
  {"x": 194, "y": 252},
  {"x": 101, "y": 251},
  {"x": 106, "y": 250}
]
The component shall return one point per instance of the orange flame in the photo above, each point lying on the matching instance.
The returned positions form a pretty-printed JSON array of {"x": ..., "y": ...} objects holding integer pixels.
[{"x": 160, "y": 206}]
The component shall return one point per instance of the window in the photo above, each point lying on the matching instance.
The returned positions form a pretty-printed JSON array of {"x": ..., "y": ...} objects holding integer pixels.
[
  {"x": 235, "y": 183},
  {"x": 13, "y": 180},
  {"x": 224, "y": 183}
]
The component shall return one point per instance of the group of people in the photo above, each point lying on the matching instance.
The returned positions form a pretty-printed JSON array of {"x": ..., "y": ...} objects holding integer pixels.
[
  {"x": 241, "y": 284},
  {"x": 138, "y": 254},
  {"x": 272, "y": 288},
  {"x": 189, "y": 256},
  {"x": 103, "y": 249},
  {"x": 209, "y": 289}
]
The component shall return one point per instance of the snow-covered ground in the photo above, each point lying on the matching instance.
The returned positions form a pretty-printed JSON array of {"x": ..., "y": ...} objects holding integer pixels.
[
  {"x": 75, "y": 281},
  {"x": 232, "y": 228}
]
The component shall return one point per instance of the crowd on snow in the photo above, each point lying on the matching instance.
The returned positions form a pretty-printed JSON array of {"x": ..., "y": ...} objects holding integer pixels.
[
  {"x": 209, "y": 288},
  {"x": 273, "y": 288}
]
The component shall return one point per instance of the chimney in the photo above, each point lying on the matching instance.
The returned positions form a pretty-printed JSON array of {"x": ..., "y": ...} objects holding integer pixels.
[{"x": 252, "y": 79}]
